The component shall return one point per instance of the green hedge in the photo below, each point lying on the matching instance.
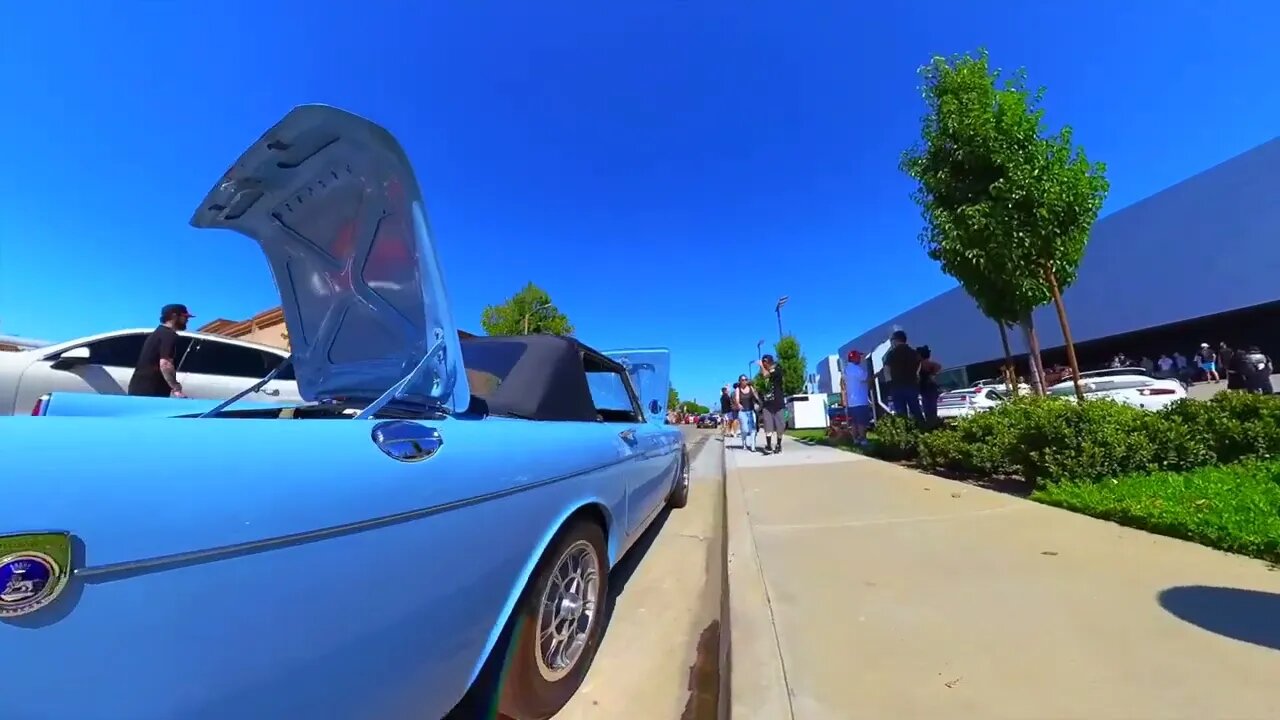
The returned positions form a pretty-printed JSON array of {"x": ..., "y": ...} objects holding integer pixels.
[{"x": 1057, "y": 439}]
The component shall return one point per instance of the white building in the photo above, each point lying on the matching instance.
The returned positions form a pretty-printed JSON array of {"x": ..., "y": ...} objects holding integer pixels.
[{"x": 829, "y": 374}]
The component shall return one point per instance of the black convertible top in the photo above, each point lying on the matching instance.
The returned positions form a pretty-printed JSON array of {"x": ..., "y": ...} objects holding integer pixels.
[{"x": 539, "y": 377}]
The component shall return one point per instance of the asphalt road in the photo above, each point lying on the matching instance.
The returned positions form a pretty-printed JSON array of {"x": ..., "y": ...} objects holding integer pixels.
[{"x": 658, "y": 659}]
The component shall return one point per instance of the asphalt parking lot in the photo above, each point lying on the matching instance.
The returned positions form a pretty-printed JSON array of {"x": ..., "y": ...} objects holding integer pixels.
[{"x": 659, "y": 656}]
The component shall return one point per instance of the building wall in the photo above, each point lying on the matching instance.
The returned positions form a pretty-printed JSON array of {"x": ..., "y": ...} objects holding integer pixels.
[
  {"x": 829, "y": 374},
  {"x": 266, "y": 327},
  {"x": 1206, "y": 245}
]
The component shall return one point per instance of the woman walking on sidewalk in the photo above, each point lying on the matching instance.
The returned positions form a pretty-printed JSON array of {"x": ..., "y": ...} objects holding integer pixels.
[{"x": 745, "y": 401}]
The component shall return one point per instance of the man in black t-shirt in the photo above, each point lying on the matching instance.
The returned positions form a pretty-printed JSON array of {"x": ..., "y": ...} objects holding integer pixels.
[
  {"x": 156, "y": 374},
  {"x": 903, "y": 363},
  {"x": 771, "y": 417},
  {"x": 726, "y": 411}
]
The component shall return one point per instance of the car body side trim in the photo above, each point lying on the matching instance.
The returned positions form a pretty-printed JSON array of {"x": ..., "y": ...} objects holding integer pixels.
[{"x": 133, "y": 568}]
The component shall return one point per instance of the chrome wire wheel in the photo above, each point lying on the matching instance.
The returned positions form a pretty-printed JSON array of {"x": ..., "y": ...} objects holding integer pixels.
[{"x": 567, "y": 612}]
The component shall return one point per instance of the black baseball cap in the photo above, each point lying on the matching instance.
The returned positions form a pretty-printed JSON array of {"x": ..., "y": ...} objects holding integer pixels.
[
  {"x": 767, "y": 357},
  {"x": 172, "y": 309}
]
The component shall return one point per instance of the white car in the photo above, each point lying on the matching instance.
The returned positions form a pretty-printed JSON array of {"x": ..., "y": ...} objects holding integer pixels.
[
  {"x": 1002, "y": 386},
  {"x": 210, "y": 367},
  {"x": 1130, "y": 386},
  {"x": 967, "y": 401}
]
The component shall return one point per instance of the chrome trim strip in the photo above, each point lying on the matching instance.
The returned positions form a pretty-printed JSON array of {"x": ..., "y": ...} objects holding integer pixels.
[{"x": 132, "y": 568}]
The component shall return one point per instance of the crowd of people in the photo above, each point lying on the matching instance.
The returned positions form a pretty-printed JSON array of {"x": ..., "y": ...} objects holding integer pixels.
[
  {"x": 912, "y": 389},
  {"x": 911, "y": 385},
  {"x": 1248, "y": 369}
]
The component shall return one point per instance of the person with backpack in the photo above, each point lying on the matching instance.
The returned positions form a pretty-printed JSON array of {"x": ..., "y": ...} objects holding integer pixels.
[{"x": 1257, "y": 369}]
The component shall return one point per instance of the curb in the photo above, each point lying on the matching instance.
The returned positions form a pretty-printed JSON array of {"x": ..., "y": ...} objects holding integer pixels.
[
  {"x": 724, "y": 710},
  {"x": 753, "y": 681}
]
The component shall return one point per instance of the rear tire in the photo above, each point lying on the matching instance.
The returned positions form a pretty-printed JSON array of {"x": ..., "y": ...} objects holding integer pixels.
[
  {"x": 680, "y": 493},
  {"x": 557, "y": 625}
]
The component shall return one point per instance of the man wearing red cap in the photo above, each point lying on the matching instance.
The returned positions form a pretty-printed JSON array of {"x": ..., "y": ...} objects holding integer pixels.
[
  {"x": 855, "y": 385},
  {"x": 156, "y": 374}
]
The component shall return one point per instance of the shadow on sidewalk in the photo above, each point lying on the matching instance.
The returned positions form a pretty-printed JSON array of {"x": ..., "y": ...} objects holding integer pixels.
[{"x": 1250, "y": 616}]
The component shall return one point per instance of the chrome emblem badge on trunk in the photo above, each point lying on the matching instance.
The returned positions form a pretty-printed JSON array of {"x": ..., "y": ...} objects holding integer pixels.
[{"x": 34, "y": 568}]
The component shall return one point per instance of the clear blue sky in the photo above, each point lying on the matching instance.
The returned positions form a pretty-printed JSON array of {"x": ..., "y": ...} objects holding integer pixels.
[{"x": 665, "y": 170}]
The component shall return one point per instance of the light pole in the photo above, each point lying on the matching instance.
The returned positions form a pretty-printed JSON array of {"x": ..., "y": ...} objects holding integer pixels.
[
  {"x": 778, "y": 309},
  {"x": 759, "y": 350},
  {"x": 536, "y": 309},
  {"x": 749, "y": 364}
]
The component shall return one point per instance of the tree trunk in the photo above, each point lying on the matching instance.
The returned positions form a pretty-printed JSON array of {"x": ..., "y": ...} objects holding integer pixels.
[
  {"x": 1006, "y": 371},
  {"x": 1066, "y": 331},
  {"x": 1033, "y": 354}
]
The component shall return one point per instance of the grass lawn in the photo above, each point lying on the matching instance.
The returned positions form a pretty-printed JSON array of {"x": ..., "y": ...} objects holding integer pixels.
[
  {"x": 818, "y": 436},
  {"x": 1234, "y": 508}
]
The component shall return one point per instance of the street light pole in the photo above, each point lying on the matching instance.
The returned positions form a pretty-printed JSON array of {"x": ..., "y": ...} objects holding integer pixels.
[
  {"x": 778, "y": 309},
  {"x": 538, "y": 308},
  {"x": 759, "y": 349}
]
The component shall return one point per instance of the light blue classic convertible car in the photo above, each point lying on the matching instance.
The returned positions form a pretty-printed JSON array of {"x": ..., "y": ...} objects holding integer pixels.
[{"x": 431, "y": 533}]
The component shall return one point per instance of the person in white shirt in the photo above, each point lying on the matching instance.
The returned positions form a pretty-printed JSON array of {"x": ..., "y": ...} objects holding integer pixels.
[
  {"x": 1165, "y": 363},
  {"x": 855, "y": 387},
  {"x": 1180, "y": 361}
]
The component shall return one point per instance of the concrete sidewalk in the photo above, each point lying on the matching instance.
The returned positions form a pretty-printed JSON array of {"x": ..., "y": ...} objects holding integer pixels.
[{"x": 858, "y": 589}]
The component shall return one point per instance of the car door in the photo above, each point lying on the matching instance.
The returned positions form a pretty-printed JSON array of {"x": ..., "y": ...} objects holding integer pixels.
[
  {"x": 106, "y": 370},
  {"x": 648, "y": 371},
  {"x": 216, "y": 370}
]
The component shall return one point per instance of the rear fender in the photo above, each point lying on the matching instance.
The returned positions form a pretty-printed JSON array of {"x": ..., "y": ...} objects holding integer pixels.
[{"x": 613, "y": 538}]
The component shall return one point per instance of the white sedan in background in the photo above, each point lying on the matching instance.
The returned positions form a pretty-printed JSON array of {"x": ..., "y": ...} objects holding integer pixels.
[
  {"x": 960, "y": 403},
  {"x": 1130, "y": 386},
  {"x": 210, "y": 367}
]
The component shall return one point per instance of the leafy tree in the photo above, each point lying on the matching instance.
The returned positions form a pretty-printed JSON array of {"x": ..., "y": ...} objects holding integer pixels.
[
  {"x": 791, "y": 360},
  {"x": 673, "y": 398},
  {"x": 787, "y": 351},
  {"x": 693, "y": 408},
  {"x": 528, "y": 312},
  {"x": 1007, "y": 208},
  {"x": 760, "y": 383}
]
